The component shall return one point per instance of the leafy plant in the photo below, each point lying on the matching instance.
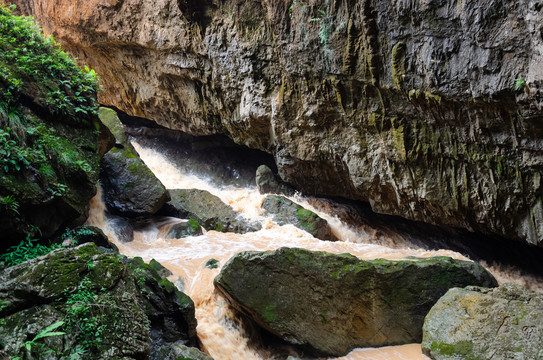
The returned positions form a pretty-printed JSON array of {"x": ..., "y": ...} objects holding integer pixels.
[
  {"x": 30, "y": 62},
  {"x": 10, "y": 204},
  {"x": 26, "y": 250},
  {"x": 194, "y": 224},
  {"x": 519, "y": 84},
  {"x": 47, "y": 332}
]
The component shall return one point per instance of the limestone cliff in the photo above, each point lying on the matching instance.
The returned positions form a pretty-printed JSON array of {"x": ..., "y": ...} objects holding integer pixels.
[{"x": 427, "y": 109}]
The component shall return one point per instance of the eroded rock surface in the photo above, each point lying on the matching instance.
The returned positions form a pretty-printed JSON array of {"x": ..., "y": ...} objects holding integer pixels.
[
  {"x": 333, "y": 303},
  {"x": 427, "y": 110},
  {"x": 484, "y": 324}
]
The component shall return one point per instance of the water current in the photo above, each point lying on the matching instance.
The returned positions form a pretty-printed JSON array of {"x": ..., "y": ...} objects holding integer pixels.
[{"x": 219, "y": 331}]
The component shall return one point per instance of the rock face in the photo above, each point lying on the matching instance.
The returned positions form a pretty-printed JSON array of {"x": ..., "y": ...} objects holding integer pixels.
[
  {"x": 286, "y": 211},
  {"x": 427, "y": 110},
  {"x": 207, "y": 210},
  {"x": 130, "y": 187},
  {"x": 111, "y": 307},
  {"x": 484, "y": 324},
  {"x": 334, "y": 303}
]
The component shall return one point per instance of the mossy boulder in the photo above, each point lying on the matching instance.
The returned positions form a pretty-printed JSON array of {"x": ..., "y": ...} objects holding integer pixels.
[
  {"x": 184, "y": 229},
  {"x": 130, "y": 187},
  {"x": 484, "y": 324},
  {"x": 286, "y": 211},
  {"x": 111, "y": 306},
  {"x": 332, "y": 303},
  {"x": 205, "y": 209}
]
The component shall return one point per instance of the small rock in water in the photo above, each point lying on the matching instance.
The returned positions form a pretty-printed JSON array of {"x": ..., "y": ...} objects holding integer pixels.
[{"x": 268, "y": 183}]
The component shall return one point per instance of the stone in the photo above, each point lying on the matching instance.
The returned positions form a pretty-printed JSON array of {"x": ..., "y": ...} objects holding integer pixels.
[
  {"x": 177, "y": 351},
  {"x": 407, "y": 106},
  {"x": 286, "y": 211},
  {"x": 123, "y": 228},
  {"x": 268, "y": 183},
  {"x": 184, "y": 229},
  {"x": 130, "y": 188},
  {"x": 111, "y": 306},
  {"x": 334, "y": 303},
  {"x": 485, "y": 324},
  {"x": 205, "y": 209}
]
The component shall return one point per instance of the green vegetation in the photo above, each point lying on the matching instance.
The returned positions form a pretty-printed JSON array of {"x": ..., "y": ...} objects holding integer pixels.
[
  {"x": 26, "y": 250},
  {"x": 194, "y": 224},
  {"x": 10, "y": 204},
  {"x": 398, "y": 63},
  {"x": 519, "y": 85},
  {"x": 35, "y": 65},
  {"x": 86, "y": 314}
]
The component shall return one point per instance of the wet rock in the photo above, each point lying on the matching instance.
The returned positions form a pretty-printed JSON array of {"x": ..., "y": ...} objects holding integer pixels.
[
  {"x": 112, "y": 307},
  {"x": 87, "y": 234},
  {"x": 123, "y": 228},
  {"x": 184, "y": 229},
  {"x": 268, "y": 183},
  {"x": 485, "y": 324},
  {"x": 178, "y": 351},
  {"x": 406, "y": 106},
  {"x": 130, "y": 188},
  {"x": 206, "y": 210},
  {"x": 334, "y": 303},
  {"x": 286, "y": 211}
]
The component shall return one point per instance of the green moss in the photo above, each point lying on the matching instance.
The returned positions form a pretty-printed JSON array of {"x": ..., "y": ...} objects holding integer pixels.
[
  {"x": 398, "y": 63},
  {"x": 464, "y": 348},
  {"x": 269, "y": 315},
  {"x": 194, "y": 224},
  {"x": 308, "y": 220},
  {"x": 167, "y": 285}
]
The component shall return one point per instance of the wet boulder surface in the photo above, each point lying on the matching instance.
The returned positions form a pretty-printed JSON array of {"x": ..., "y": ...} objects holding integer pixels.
[
  {"x": 110, "y": 306},
  {"x": 130, "y": 187},
  {"x": 286, "y": 211},
  {"x": 331, "y": 304},
  {"x": 204, "y": 209},
  {"x": 485, "y": 324}
]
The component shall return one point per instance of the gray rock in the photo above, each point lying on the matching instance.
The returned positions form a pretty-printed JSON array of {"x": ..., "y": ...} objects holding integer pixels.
[
  {"x": 334, "y": 303},
  {"x": 207, "y": 210},
  {"x": 268, "y": 183},
  {"x": 178, "y": 350},
  {"x": 485, "y": 324},
  {"x": 116, "y": 307},
  {"x": 184, "y": 229},
  {"x": 286, "y": 211},
  {"x": 130, "y": 188}
]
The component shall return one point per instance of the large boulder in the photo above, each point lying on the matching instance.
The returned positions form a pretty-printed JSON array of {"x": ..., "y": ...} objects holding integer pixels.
[
  {"x": 286, "y": 211},
  {"x": 112, "y": 307},
  {"x": 428, "y": 110},
  {"x": 206, "y": 210},
  {"x": 333, "y": 303},
  {"x": 485, "y": 324},
  {"x": 130, "y": 187}
]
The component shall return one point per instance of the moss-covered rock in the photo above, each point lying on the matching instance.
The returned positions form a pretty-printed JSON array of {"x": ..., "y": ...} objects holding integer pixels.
[
  {"x": 334, "y": 303},
  {"x": 130, "y": 187},
  {"x": 286, "y": 211},
  {"x": 205, "y": 209},
  {"x": 49, "y": 137},
  {"x": 112, "y": 307},
  {"x": 483, "y": 324}
]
